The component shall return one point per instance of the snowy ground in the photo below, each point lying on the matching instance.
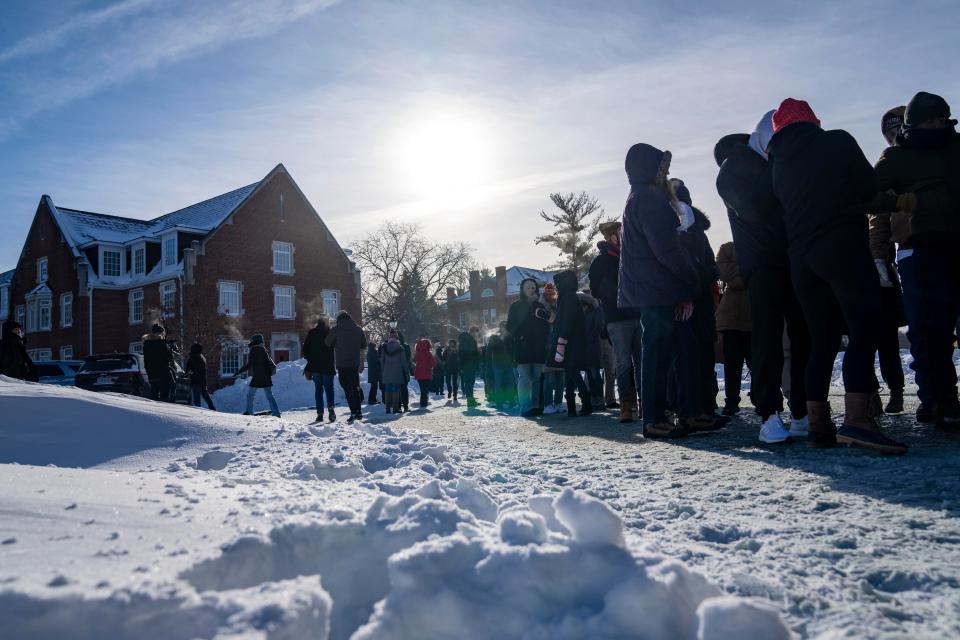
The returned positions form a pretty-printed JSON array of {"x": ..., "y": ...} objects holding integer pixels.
[{"x": 456, "y": 524}]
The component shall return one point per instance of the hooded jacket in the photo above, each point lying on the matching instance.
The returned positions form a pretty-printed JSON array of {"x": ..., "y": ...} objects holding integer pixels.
[
  {"x": 604, "y": 277},
  {"x": 393, "y": 363},
  {"x": 733, "y": 314},
  {"x": 157, "y": 357},
  {"x": 261, "y": 367},
  {"x": 320, "y": 356},
  {"x": 694, "y": 241},
  {"x": 15, "y": 362},
  {"x": 528, "y": 333},
  {"x": 469, "y": 352},
  {"x": 570, "y": 323},
  {"x": 423, "y": 360},
  {"x": 451, "y": 361},
  {"x": 824, "y": 183},
  {"x": 654, "y": 269},
  {"x": 349, "y": 342}
]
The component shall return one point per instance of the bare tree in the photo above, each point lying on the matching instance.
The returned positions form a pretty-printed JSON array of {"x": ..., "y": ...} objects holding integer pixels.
[
  {"x": 405, "y": 273},
  {"x": 577, "y": 224}
]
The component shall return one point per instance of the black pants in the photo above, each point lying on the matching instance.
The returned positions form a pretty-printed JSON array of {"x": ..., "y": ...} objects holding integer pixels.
[
  {"x": 888, "y": 349},
  {"x": 704, "y": 323},
  {"x": 837, "y": 272},
  {"x": 161, "y": 389},
  {"x": 453, "y": 381},
  {"x": 375, "y": 384},
  {"x": 773, "y": 303},
  {"x": 350, "y": 383},
  {"x": 736, "y": 352},
  {"x": 573, "y": 382},
  {"x": 424, "y": 392}
]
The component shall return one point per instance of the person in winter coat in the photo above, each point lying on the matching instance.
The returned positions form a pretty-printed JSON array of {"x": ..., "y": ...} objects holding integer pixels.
[
  {"x": 159, "y": 363},
  {"x": 469, "y": 362},
  {"x": 321, "y": 366},
  {"x": 593, "y": 354},
  {"x": 923, "y": 169},
  {"x": 261, "y": 367},
  {"x": 623, "y": 325},
  {"x": 439, "y": 371},
  {"x": 733, "y": 323},
  {"x": 500, "y": 360},
  {"x": 528, "y": 330},
  {"x": 197, "y": 370},
  {"x": 423, "y": 369},
  {"x": 658, "y": 277},
  {"x": 374, "y": 372},
  {"x": 396, "y": 371},
  {"x": 568, "y": 342},
  {"x": 745, "y": 182},
  {"x": 350, "y": 351},
  {"x": 823, "y": 181},
  {"x": 405, "y": 390},
  {"x": 451, "y": 362},
  {"x": 15, "y": 362},
  {"x": 553, "y": 378}
]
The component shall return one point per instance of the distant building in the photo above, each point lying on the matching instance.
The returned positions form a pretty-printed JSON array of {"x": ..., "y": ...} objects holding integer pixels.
[
  {"x": 255, "y": 260},
  {"x": 487, "y": 301}
]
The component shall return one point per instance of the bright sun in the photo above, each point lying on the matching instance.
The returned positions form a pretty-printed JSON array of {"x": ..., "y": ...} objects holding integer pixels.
[{"x": 443, "y": 154}]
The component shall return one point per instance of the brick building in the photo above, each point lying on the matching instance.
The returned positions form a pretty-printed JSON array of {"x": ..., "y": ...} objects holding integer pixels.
[
  {"x": 487, "y": 300},
  {"x": 255, "y": 260}
]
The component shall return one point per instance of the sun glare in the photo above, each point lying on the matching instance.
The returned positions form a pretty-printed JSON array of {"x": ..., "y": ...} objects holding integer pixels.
[{"x": 442, "y": 154}]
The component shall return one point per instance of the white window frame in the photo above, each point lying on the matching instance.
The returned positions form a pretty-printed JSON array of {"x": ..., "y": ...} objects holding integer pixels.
[
  {"x": 40, "y": 355},
  {"x": 37, "y": 320},
  {"x": 66, "y": 310},
  {"x": 4, "y": 302},
  {"x": 283, "y": 251},
  {"x": 43, "y": 270},
  {"x": 234, "y": 349},
  {"x": 141, "y": 268},
  {"x": 280, "y": 313},
  {"x": 168, "y": 288},
  {"x": 66, "y": 352},
  {"x": 165, "y": 258},
  {"x": 136, "y": 347},
  {"x": 132, "y": 298},
  {"x": 104, "y": 250},
  {"x": 323, "y": 298},
  {"x": 21, "y": 316},
  {"x": 462, "y": 319},
  {"x": 222, "y": 309}
]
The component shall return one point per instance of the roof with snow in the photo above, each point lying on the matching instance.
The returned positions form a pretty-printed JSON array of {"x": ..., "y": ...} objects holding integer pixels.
[
  {"x": 515, "y": 275},
  {"x": 6, "y": 277}
]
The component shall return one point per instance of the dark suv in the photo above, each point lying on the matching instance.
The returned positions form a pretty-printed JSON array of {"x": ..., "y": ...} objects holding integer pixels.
[{"x": 125, "y": 373}]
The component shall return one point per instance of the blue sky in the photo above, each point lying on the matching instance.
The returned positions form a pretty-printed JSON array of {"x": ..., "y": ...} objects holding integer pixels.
[{"x": 460, "y": 116}]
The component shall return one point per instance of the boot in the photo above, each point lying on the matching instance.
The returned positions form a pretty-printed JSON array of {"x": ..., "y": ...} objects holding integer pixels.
[
  {"x": 626, "y": 412},
  {"x": 896, "y": 401},
  {"x": 586, "y": 407},
  {"x": 860, "y": 430},
  {"x": 875, "y": 408},
  {"x": 822, "y": 433},
  {"x": 571, "y": 406}
]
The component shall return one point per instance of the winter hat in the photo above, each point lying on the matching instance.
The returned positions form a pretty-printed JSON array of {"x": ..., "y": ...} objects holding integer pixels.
[
  {"x": 726, "y": 144},
  {"x": 760, "y": 138},
  {"x": 609, "y": 228},
  {"x": 792, "y": 111},
  {"x": 891, "y": 123},
  {"x": 257, "y": 338},
  {"x": 681, "y": 191},
  {"x": 157, "y": 330},
  {"x": 535, "y": 285},
  {"x": 550, "y": 292},
  {"x": 926, "y": 106}
]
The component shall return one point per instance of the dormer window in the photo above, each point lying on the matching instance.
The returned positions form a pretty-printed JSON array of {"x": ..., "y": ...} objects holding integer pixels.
[
  {"x": 170, "y": 250},
  {"x": 139, "y": 259},
  {"x": 111, "y": 263},
  {"x": 42, "y": 266}
]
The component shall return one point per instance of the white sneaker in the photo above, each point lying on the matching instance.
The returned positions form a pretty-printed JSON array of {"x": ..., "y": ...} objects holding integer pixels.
[
  {"x": 773, "y": 431},
  {"x": 550, "y": 409},
  {"x": 800, "y": 427}
]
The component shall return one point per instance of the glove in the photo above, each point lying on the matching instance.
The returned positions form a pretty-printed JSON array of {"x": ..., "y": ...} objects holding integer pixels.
[
  {"x": 884, "y": 274},
  {"x": 561, "y": 351},
  {"x": 907, "y": 202},
  {"x": 684, "y": 311}
]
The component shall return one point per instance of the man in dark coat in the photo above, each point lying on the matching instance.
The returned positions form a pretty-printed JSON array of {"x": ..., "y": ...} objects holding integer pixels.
[
  {"x": 528, "y": 330},
  {"x": 923, "y": 169},
  {"x": 469, "y": 362},
  {"x": 350, "y": 346},
  {"x": 451, "y": 362},
  {"x": 374, "y": 372},
  {"x": 745, "y": 182},
  {"x": 261, "y": 367},
  {"x": 623, "y": 325},
  {"x": 568, "y": 342},
  {"x": 321, "y": 365},
  {"x": 823, "y": 181},
  {"x": 197, "y": 371},
  {"x": 159, "y": 363},
  {"x": 15, "y": 362}
]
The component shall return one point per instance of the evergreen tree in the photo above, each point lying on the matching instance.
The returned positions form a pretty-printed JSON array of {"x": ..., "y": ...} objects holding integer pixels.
[{"x": 577, "y": 224}]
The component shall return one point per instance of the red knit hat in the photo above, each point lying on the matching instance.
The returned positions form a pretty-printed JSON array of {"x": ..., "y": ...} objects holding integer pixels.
[{"x": 792, "y": 111}]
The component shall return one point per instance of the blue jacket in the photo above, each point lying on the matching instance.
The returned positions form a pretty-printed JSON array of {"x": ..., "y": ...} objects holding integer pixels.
[{"x": 655, "y": 270}]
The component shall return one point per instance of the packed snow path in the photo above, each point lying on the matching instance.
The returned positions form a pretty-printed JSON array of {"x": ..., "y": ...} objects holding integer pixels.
[{"x": 842, "y": 540}]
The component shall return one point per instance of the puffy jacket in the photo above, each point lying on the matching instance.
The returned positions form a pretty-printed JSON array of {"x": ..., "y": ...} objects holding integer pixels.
[
  {"x": 157, "y": 357},
  {"x": 349, "y": 342},
  {"x": 261, "y": 367},
  {"x": 528, "y": 333},
  {"x": 469, "y": 352},
  {"x": 393, "y": 363},
  {"x": 654, "y": 269},
  {"x": 570, "y": 324},
  {"x": 594, "y": 324},
  {"x": 604, "y": 277},
  {"x": 320, "y": 356},
  {"x": 451, "y": 360},
  {"x": 733, "y": 314},
  {"x": 423, "y": 360}
]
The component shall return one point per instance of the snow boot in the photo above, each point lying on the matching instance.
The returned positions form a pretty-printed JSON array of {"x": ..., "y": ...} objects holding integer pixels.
[
  {"x": 626, "y": 413},
  {"x": 821, "y": 432},
  {"x": 331, "y": 415},
  {"x": 895, "y": 405},
  {"x": 663, "y": 430},
  {"x": 860, "y": 430},
  {"x": 702, "y": 422},
  {"x": 319, "y": 416}
]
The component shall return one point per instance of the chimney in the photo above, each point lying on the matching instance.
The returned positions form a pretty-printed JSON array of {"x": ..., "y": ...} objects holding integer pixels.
[
  {"x": 475, "y": 287},
  {"x": 451, "y": 294},
  {"x": 501, "y": 283}
]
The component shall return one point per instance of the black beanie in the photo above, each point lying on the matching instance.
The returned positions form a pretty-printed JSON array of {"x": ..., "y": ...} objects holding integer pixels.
[
  {"x": 926, "y": 106},
  {"x": 158, "y": 330}
]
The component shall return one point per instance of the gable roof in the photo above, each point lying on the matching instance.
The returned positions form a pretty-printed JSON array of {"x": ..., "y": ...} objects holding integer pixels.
[
  {"x": 515, "y": 275},
  {"x": 6, "y": 277}
]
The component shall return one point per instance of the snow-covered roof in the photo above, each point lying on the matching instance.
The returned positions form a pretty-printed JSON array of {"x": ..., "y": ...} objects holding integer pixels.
[
  {"x": 84, "y": 227},
  {"x": 6, "y": 277},
  {"x": 515, "y": 275}
]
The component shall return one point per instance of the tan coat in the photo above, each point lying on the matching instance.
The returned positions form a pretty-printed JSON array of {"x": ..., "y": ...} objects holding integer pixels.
[
  {"x": 888, "y": 228},
  {"x": 733, "y": 314}
]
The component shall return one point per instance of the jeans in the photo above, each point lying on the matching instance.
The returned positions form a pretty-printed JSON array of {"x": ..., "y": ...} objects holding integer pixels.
[
  {"x": 609, "y": 372},
  {"x": 736, "y": 352},
  {"x": 199, "y": 390},
  {"x": 322, "y": 383},
  {"x": 528, "y": 385},
  {"x": 350, "y": 383},
  {"x": 453, "y": 380},
  {"x": 663, "y": 336},
  {"x": 553, "y": 387},
  {"x": 425, "y": 392},
  {"x": 468, "y": 378},
  {"x": 268, "y": 391},
  {"x": 627, "y": 338}
]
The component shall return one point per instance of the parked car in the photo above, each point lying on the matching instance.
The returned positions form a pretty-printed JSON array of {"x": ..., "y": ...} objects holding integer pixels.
[
  {"x": 117, "y": 372},
  {"x": 58, "y": 372}
]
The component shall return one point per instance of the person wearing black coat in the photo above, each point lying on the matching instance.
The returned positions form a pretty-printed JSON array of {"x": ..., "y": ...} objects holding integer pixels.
[
  {"x": 15, "y": 362},
  {"x": 568, "y": 342},
  {"x": 451, "y": 362},
  {"x": 528, "y": 330},
  {"x": 745, "y": 183},
  {"x": 261, "y": 367},
  {"x": 197, "y": 371},
  {"x": 350, "y": 349},
  {"x": 823, "y": 181},
  {"x": 374, "y": 372},
  {"x": 593, "y": 354},
  {"x": 439, "y": 371},
  {"x": 159, "y": 363},
  {"x": 321, "y": 366},
  {"x": 469, "y": 362}
]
